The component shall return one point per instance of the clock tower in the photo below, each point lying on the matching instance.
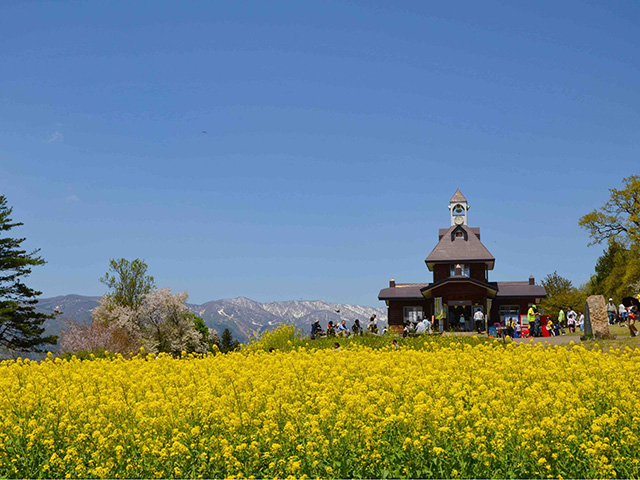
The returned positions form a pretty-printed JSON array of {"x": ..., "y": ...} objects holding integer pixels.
[{"x": 458, "y": 207}]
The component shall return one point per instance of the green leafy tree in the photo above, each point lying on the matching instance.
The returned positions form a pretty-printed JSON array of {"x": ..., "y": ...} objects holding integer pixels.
[
  {"x": 207, "y": 338},
  {"x": 561, "y": 294},
  {"x": 20, "y": 325},
  {"x": 619, "y": 218},
  {"x": 554, "y": 284},
  {"x": 617, "y": 272},
  {"x": 618, "y": 223},
  {"x": 128, "y": 281}
]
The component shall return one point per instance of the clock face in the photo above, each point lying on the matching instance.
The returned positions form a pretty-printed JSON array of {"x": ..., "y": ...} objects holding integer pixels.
[{"x": 459, "y": 220}]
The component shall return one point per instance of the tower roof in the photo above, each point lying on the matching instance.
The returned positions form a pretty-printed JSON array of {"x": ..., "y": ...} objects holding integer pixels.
[
  {"x": 466, "y": 247},
  {"x": 457, "y": 197}
]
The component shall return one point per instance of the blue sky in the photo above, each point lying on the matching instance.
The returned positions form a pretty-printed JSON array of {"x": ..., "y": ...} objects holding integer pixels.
[{"x": 336, "y": 133}]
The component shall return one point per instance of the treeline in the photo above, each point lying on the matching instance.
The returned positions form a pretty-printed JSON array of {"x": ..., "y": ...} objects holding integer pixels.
[{"x": 617, "y": 272}]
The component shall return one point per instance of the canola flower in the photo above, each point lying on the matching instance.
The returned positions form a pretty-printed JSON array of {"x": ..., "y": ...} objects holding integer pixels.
[{"x": 444, "y": 409}]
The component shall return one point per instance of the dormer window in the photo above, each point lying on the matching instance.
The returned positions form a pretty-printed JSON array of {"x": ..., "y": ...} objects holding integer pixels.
[{"x": 459, "y": 232}]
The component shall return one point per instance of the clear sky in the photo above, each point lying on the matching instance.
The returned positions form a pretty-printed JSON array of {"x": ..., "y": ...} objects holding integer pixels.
[{"x": 308, "y": 150}]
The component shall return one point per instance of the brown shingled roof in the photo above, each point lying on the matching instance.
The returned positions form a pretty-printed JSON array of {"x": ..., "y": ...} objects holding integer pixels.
[
  {"x": 406, "y": 291},
  {"x": 457, "y": 197},
  {"x": 520, "y": 289},
  {"x": 468, "y": 248}
]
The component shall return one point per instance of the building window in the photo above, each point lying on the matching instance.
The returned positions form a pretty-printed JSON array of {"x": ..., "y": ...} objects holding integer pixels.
[
  {"x": 459, "y": 269},
  {"x": 508, "y": 310},
  {"x": 413, "y": 314}
]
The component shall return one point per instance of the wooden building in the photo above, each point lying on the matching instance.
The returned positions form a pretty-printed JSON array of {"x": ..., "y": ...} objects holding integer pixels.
[{"x": 460, "y": 264}]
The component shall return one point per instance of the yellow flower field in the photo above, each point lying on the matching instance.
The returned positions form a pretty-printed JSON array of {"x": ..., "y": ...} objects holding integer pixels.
[{"x": 439, "y": 410}]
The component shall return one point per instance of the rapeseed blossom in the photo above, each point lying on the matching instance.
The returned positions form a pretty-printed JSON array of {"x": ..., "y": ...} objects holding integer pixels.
[{"x": 442, "y": 410}]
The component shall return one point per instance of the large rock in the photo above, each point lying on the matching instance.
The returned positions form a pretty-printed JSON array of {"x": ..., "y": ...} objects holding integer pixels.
[{"x": 596, "y": 321}]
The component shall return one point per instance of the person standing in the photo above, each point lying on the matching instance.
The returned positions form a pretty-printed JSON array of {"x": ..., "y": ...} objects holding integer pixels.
[
  {"x": 462, "y": 323},
  {"x": 510, "y": 328},
  {"x": 562, "y": 318},
  {"x": 560, "y": 324},
  {"x": 581, "y": 321},
  {"x": 479, "y": 319},
  {"x": 571, "y": 323},
  {"x": 631, "y": 320},
  {"x": 572, "y": 316},
  {"x": 611, "y": 311},
  {"x": 622, "y": 314},
  {"x": 531, "y": 318}
]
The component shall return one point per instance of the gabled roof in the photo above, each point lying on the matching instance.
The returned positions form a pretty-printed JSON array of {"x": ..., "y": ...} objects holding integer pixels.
[
  {"x": 491, "y": 287},
  {"x": 457, "y": 197},
  {"x": 403, "y": 291},
  {"x": 468, "y": 248}
]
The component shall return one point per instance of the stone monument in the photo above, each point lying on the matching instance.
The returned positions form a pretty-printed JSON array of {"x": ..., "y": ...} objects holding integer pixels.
[{"x": 596, "y": 321}]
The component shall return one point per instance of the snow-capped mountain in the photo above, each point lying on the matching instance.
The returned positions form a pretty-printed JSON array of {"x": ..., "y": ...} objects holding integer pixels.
[{"x": 243, "y": 316}]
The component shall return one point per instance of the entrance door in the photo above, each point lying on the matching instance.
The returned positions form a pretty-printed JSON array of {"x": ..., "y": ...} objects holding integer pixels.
[{"x": 456, "y": 312}]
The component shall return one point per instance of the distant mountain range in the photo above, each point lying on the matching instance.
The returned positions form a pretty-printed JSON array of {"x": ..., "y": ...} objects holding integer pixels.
[{"x": 242, "y": 316}]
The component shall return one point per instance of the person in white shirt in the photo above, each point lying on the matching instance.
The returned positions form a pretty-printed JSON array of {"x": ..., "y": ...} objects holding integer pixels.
[
  {"x": 622, "y": 313},
  {"x": 479, "y": 319},
  {"x": 571, "y": 316},
  {"x": 611, "y": 311},
  {"x": 421, "y": 328}
]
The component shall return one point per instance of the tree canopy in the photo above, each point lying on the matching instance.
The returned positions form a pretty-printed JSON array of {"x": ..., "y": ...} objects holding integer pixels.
[
  {"x": 619, "y": 218},
  {"x": 561, "y": 294},
  {"x": 128, "y": 281},
  {"x": 617, "y": 272},
  {"x": 20, "y": 325}
]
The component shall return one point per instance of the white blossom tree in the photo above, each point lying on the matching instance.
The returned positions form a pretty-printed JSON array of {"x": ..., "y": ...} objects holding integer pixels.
[{"x": 161, "y": 322}]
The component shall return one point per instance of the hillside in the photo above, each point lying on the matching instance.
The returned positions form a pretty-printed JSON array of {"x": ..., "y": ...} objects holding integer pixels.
[{"x": 244, "y": 317}]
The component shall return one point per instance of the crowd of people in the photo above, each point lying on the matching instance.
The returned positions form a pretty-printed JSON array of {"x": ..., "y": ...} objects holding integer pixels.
[
  {"x": 618, "y": 315},
  {"x": 623, "y": 316},
  {"x": 571, "y": 320},
  {"x": 342, "y": 330}
]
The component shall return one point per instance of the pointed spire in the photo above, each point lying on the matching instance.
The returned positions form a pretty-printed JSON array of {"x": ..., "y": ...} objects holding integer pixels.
[{"x": 457, "y": 197}]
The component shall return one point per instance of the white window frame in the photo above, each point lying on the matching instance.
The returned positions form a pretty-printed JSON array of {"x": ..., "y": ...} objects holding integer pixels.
[{"x": 412, "y": 314}]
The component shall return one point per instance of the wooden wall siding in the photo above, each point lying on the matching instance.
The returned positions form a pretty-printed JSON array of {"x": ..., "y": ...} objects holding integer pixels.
[
  {"x": 440, "y": 272},
  {"x": 396, "y": 309},
  {"x": 478, "y": 271}
]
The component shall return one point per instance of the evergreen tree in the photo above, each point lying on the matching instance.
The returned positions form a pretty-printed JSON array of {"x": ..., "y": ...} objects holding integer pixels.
[
  {"x": 20, "y": 325},
  {"x": 227, "y": 343}
]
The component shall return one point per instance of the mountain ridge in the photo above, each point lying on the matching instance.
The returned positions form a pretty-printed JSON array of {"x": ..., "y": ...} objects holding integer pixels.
[{"x": 244, "y": 317}]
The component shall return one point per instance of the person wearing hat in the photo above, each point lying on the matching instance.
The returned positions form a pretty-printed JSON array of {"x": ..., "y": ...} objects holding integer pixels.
[
  {"x": 316, "y": 330},
  {"x": 611, "y": 311}
]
